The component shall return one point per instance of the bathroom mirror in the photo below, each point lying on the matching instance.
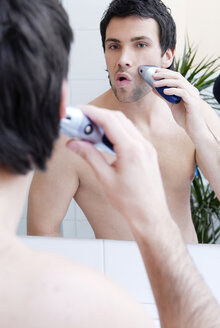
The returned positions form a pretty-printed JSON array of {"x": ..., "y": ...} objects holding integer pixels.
[{"x": 87, "y": 77}]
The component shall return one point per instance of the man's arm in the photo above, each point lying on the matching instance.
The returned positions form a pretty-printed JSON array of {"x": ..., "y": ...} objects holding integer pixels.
[
  {"x": 51, "y": 192},
  {"x": 133, "y": 185},
  {"x": 200, "y": 122},
  {"x": 207, "y": 144}
]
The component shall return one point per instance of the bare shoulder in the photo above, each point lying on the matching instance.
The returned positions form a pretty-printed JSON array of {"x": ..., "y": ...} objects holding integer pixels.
[
  {"x": 63, "y": 158},
  {"x": 77, "y": 296},
  {"x": 62, "y": 169},
  {"x": 105, "y": 100}
]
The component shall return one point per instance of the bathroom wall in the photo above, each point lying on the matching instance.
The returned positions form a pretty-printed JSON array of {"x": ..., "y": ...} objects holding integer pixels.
[
  {"x": 87, "y": 77},
  {"x": 203, "y": 25},
  {"x": 200, "y": 20}
]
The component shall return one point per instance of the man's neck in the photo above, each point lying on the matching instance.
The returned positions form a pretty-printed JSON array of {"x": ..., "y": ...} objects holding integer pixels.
[
  {"x": 140, "y": 111},
  {"x": 13, "y": 189}
]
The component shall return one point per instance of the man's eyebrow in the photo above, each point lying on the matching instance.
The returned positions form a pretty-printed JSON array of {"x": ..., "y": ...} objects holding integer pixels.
[
  {"x": 143, "y": 37},
  {"x": 136, "y": 38},
  {"x": 112, "y": 40}
]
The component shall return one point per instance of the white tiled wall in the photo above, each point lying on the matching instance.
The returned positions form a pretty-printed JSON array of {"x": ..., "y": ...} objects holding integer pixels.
[
  {"x": 87, "y": 77},
  {"x": 121, "y": 261}
]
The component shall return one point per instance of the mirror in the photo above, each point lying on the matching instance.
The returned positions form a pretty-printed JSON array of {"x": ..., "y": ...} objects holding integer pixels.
[{"x": 87, "y": 77}]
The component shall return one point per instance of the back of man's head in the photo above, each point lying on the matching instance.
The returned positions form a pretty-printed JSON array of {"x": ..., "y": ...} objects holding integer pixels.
[
  {"x": 143, "y": 9},
  {"x": 35, "y": 39}
]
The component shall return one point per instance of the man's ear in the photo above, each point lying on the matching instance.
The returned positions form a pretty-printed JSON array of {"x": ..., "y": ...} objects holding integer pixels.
[
  {"x": 167, "y": 58},
  {"x": 63, "y": 99}
]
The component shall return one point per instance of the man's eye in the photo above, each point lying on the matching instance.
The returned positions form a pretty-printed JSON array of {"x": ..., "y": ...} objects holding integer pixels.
[
  {"x": 113, "y": 47},
  {"x": 142, "y": 45}
]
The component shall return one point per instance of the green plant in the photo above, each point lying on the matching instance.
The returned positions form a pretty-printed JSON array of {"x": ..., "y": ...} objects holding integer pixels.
[
  {"x": 205, "y": 206},
  {"x": 202, "y": 74}
]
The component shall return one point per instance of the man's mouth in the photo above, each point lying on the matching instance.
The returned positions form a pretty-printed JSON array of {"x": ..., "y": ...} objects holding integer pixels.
[{"x": 122, "y": 79}]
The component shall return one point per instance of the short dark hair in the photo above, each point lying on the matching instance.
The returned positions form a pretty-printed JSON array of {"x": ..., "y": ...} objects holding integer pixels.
[
  {"x": 35, "y": 40},
  {"x": 144, "y": 9}
]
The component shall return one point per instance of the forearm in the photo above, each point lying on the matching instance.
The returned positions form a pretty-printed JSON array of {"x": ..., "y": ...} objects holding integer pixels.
[
  {"x": 40, "y": 226},
  {"x": 42, "y": 219},
  {"x": 207, "y": 146},
  {"x": 182, "y": 297},
  {"x": 33, "y": 230}
]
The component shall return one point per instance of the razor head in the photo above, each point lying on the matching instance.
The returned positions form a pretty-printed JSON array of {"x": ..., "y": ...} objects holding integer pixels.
[
  {"x": 77, "y": 125},
  {"x": 146, "y": 72}
]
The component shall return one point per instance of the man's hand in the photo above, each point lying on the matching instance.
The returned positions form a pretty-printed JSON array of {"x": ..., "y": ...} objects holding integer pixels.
[
  {"x": 198, "y": 119},
  {"x": 188, "y": 113}
]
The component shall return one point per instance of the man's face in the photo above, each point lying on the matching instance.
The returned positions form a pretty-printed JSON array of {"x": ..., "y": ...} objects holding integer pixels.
[{"x": 131, "y": 42}]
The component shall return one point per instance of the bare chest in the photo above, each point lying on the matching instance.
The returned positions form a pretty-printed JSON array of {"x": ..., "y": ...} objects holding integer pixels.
[
  {"x": 176, "y": 153},
  {"x": 176, "y": 160}
]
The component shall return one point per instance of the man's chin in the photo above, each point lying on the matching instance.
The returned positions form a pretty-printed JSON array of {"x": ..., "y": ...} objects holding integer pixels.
[
  {"x": 128, "y": 98},
  {"x": 124, "y": 98},
  {"x": 122, "y": 95}
]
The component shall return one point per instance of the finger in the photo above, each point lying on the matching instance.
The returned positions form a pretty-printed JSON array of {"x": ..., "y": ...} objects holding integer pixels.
[
  {"x": 162, "y": 73},
  {"x": 170, "y": 83},
  {"x": 178, "y": 92},
  {"x": 93, "y": 157}
]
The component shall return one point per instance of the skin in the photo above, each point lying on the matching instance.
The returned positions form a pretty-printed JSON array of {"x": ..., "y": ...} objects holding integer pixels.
[
  {"x": 131, "y": 42},
  {"x": 39, "y": 289},
  {"x": 182, "y": 297}
]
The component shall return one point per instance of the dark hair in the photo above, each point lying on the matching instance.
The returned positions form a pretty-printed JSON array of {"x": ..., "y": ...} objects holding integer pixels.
[
  {"x": 216, "y": 89},
  {"x": 145, "y": 9},
  {"x": 35, "y": 40}
]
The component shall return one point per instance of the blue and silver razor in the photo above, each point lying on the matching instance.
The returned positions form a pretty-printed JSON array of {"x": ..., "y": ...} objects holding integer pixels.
[
  {"x": 77, "y": 125},
  {"x": 146, "y": 72}
]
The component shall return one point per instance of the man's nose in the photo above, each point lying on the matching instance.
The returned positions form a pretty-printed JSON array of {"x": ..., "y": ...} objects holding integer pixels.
[{"x": 125, "y": 59}]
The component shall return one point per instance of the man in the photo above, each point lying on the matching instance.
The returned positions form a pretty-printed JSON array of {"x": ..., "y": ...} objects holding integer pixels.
[
  {"x": 44, "y": 290},
  {"x": 39, "y": 289},
  {"x": 133, "y": 33}
]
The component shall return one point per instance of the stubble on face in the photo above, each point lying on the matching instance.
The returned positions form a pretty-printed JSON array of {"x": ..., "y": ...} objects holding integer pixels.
[
  {"x": 136, "y": 94},
  {"x": 123, "y": 55}
]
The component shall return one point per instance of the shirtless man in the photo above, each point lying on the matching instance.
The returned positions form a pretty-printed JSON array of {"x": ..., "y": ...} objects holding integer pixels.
[
  {"x": 131, "y": 36},
  {"x": 40, "y": 289}
]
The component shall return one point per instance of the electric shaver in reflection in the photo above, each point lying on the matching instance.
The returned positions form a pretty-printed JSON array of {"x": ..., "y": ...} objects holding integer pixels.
[
  {"x": 78, "y": 125},
  {"x": 146, "y": 71}
]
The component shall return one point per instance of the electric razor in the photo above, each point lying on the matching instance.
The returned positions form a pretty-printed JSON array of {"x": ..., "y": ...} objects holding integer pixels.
[
  {"x": 78, "y": 125},
  {"x": 146, "y": 72}
]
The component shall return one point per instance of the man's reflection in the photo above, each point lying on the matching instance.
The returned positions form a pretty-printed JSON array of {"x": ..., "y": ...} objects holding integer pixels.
[{"x": 141, "y": 33}]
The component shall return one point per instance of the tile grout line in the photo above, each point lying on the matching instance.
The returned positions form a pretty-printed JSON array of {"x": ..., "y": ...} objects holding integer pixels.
[{"x": 103, "y": 256}]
